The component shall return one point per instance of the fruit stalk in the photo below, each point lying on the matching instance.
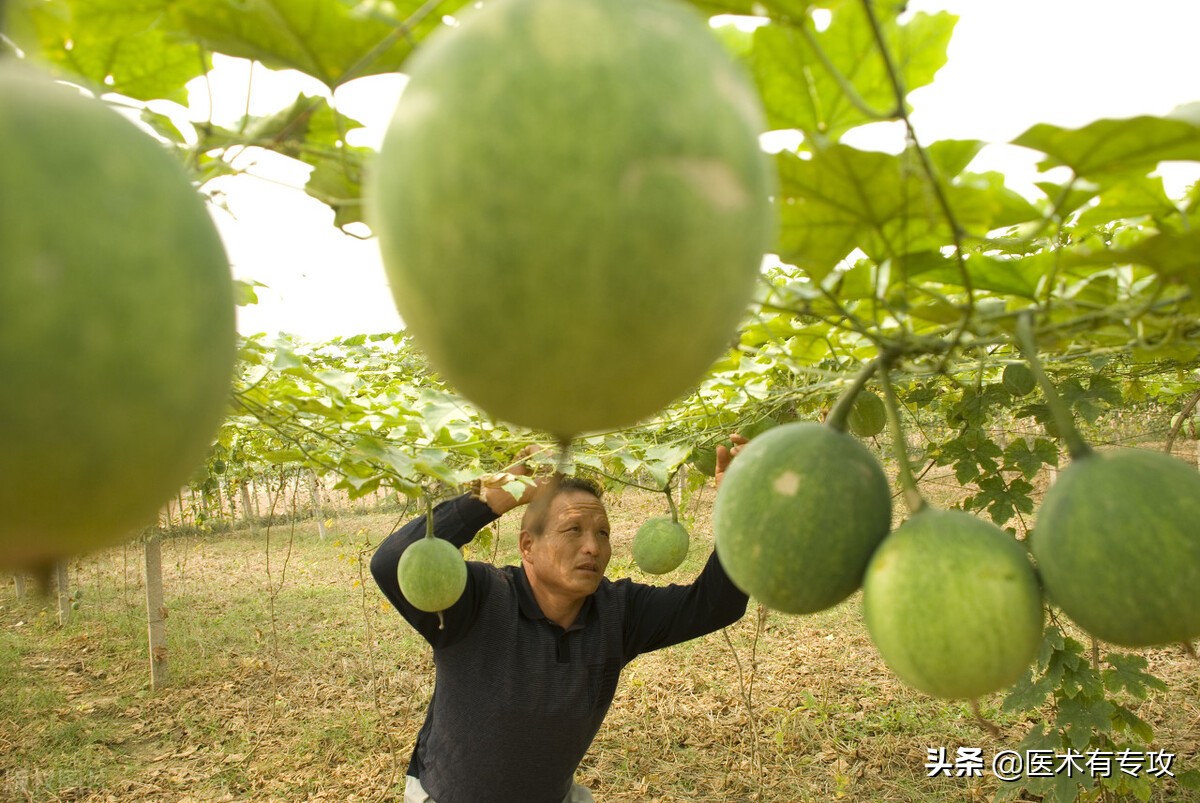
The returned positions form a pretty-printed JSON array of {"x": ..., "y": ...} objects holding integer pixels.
[
  {"x": 838, "y": 416},
  {"x": 671, "y": 497},
  {"x": 1027, "y": 343},
  {"x": 908, "y": 483},
  {"x": 564, "y": 456}
]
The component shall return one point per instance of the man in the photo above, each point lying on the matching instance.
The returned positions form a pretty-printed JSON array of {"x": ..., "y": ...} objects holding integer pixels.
[{"x": 527, "y": 660}]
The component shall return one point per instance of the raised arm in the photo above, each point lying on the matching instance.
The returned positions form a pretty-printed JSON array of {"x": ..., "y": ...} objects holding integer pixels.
[
  {"x": 661, "y": 616},
  {"x": 457, "y": 521}
]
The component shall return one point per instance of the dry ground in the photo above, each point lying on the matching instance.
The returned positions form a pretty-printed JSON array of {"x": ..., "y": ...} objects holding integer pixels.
[{"x": 291, "y": 680}]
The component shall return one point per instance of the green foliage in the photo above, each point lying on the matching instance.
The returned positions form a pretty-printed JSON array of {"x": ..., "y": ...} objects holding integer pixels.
[
  {"x": 1090, "y": 701},
  {"x": 826, "y": 82},
  {"x": 912, "y": 252}
]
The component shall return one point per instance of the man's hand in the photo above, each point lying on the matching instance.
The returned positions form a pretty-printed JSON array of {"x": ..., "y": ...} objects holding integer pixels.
[
  {"x": 500, "y": 500},
  {"x": 725, "y": 455}
]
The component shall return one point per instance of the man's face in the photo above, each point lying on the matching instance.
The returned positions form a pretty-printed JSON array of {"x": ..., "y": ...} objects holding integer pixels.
[{"x": 571, "y": 554}]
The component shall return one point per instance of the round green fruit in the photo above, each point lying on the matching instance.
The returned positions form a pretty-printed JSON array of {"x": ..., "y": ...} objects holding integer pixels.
[
  {"x": 868, "y": 416},
  {"x": 432, "y": 574},
  {"x": 1018, "y": 379},
  {"x": 572, "y": 207},
  {"x": 660, "y": 545},
  {"x": 1117, "y": 544},
  {"x": 953, "y": 605},
  {"x": 798, "y": 514},
  {"x": 117, "y": 338}
]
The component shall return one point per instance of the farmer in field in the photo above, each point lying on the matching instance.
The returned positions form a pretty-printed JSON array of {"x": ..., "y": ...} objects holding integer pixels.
[{"x": 527, "y": 660}]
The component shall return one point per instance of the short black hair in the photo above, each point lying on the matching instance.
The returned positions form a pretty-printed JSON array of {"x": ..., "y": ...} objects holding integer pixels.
[{"x": 534, "y": 519}]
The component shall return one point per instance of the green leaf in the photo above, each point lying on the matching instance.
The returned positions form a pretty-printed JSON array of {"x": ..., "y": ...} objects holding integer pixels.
[
  {"x": 439, "y": 409},
  {"x": 333, "y": 41},
  {"x": 663, "y": 459},
  {"x": 1065, "y": 788},
  {"x": 113, "y": 45},
  {"x": 1081, "y": 716},
  {"x": 1009, "y": 276},
  {"x": 1090, "y": 402},
  {"x": 951, "y": 156},
  {"x": 309, "y": 122},
  {"x": 386, "y": 454},
  {"x": 1068, "y": 196},
  {"x": 1002, "y": 499},
  {"x": 824, "y": 83},
  {"x": 1188, "y": 779},
  {"x": 837, "y": 198},
  {"x": 840, "y": 198},
  {"x": 1127, "y": 672},
  {"x": 1125, "y": 721},
  {"x": 1029, "y": 460},
  {"x": 1107, "y": 147},
  {"x": 1028, "y": 694},
  {"x": 286, "y": 358},
  {"x": 1139, "y": 196},
  {"x": 245, "y": 293},
  {"x": 981, "y": 202},
  {"x": 336, "y": 181},
  {"x": 1174, "y": 256}
]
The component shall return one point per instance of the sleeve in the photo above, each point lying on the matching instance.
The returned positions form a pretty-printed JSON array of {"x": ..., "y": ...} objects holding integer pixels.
[
  {"x": 659, "y": 616},
  {"x": 456, "y": 520}
]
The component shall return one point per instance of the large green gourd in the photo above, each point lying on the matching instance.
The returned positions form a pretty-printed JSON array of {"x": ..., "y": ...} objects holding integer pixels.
[
  {"x": 116, "y": 323},
  {"x": 432, "y": 574},
  {"x": 1117, "y": 543},
  {"x": 572, "y": 207},
  {"x": 798, "y": 514},
  {"x": 953, "y": 604},
  {"x": 660, "y": 545}
]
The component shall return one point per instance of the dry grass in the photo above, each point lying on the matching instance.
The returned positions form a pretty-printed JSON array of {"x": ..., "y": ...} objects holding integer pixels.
[{"x": 294, "y": 681}]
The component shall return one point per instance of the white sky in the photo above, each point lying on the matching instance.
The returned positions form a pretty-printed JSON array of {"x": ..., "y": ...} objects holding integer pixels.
[{"x": 1012, "y": 63}]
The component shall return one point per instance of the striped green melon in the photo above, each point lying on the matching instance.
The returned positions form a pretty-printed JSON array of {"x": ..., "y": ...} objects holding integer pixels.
[
  {"x": 867, "y": 416},
  {"x": 798, "y": 514},
  {"x": 572, "y": 207},
  {"x": 432, "y": 574},
  {"x": 1018, "y": 379},
  {"x": 953, "y": 605},
  {"x": 660, "y": 545},
  {"x": 116, "y": 323},
  {"x": 1117, "y": 544}
]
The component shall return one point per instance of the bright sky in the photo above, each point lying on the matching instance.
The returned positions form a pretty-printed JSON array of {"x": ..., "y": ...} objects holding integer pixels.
[{"x": 1012, "y": 63}]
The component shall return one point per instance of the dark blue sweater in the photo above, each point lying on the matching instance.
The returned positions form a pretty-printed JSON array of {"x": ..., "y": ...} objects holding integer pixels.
[{"x": 517, "y": 699}]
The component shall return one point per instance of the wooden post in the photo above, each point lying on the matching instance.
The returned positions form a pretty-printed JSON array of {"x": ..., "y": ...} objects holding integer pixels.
[
  {"x": 254, "y": 499},
  {"x": 62, "y": 581},
  {"x": 247, "y": 508},
  {"x": 156, "y": 615}
]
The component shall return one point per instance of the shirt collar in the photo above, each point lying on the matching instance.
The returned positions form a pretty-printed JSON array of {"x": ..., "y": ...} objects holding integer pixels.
[{"x": 531, "y": 610}]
